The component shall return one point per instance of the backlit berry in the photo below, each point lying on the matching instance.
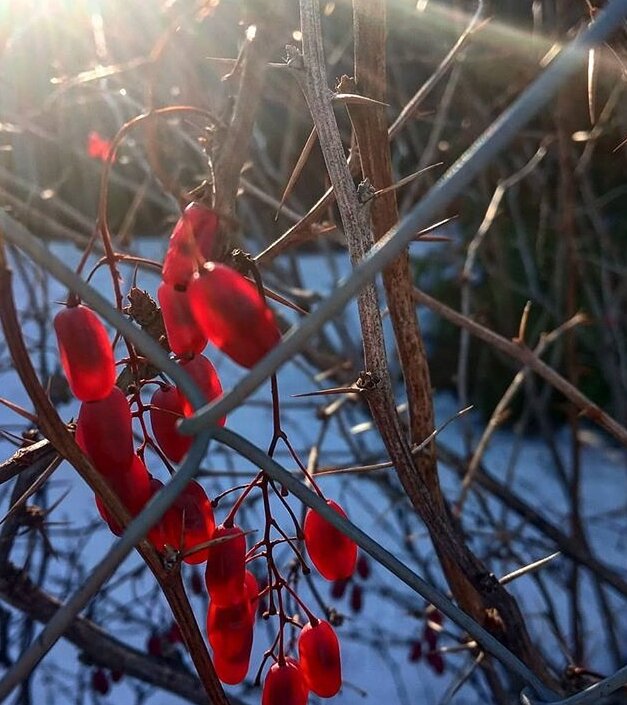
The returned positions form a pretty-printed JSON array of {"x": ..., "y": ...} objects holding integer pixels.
[
  {"x": 285, "y": 685},
  {"x": 166, "y": 408},
  {"x": 333, "y": 554},
  {"x": 191, "y": 243},
  {"x": 232, "y": 314},
  {"x": 231, "y": 671},
  {"x": 105, "y": 434},
  {"x": 363, "y": 566},
  {"x": 338, "y": 588},
  {"x": 319, "y": 655},
  {"x": 187, "y": 524},
  {"x": 199, "y": 524},
  {"x": 230, "y": 629},
  {"x": 357, "y": 598},
  {"x": 415, "y": 651},
  {"x": 133, "y": 487},
  {"x": 436, "y": 662},
  {"x": 184, "y": 335},
  {"x": 86, "y": 353},
  {"x": 226, "y": 566},
  {"x": 204, "y": 374}
]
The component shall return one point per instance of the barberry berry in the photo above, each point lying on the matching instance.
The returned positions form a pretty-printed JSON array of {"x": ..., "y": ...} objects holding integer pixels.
[
  {"x": 333, "y": 554},
  {"x": 86, "y": 353}
]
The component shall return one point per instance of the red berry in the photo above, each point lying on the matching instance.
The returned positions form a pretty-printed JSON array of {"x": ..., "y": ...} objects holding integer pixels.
[
  {"x": 98, "y": 147},
  {"x": 230, "y": 629},
  {"x": 173, "y": 635},
  {"x": 133, "y": 487},
  {"x": 104, "y": 432},
  {"x": 231, "y": 671},
  {"x": 183, "y": 333},
  {"x": 338, "y": 588},
  {"x": 230, "y": 632},
  {"x": 232, "y": 314},
  {"x": 154, "y": 645},
  {"x": 199, "y": 523},
  {"x": 333, "y": 553},
  {"x": 191, "y": 243},
  {"x": 117, "y": 675},
  {"x": 226, "y": 569},
  {"x": 285, "y": 685},
  {"x": 357, "y": 598},
  {"x": 415, "y": 651},
  {"x": 430, "y": 635},
  {"x": 86, "y": 353},
  {"x": 252, "y": 590},
  {"x": 436, "y": 661},
  {"x": 100, "y": 682},
  {"x": 195, "y": 583},
  {"x": 204, "y": 374},
  {"x": 204, "y": 223},
  {"x": 363, "y": 566},
  {"x": 319, "y": 654},
  {"x": 166, "y": 408},
  {"x": 184, "y": 534},
  {"x": 167, "y": 531}
]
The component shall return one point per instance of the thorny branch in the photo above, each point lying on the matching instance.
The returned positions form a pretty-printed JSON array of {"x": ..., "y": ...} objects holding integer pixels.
[{"x": 484, "y": 599}]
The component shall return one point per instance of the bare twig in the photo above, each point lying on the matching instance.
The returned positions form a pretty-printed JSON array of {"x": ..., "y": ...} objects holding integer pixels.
[{"x": 527, "y": 357}]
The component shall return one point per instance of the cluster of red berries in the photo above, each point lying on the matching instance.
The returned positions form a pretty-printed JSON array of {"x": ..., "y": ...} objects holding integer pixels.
[
  {"x": 201, "y": 301},
  {"x": 101, "y": 680},
  {"x": 339, "y": 587},
  {"x": 164, "y": 644},
  {"x": 430, "y": 637}
]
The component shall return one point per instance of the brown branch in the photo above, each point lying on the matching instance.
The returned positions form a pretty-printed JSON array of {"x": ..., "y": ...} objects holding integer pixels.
[
  {"x": 477, "y": 590},
  {"x": 249, "y": 73},
  {"x": 420, "y": 479},
  {"x": 24, "y": 458},
  {"x": 97, "y": 645},
  {"x": 302, "y": 231}
]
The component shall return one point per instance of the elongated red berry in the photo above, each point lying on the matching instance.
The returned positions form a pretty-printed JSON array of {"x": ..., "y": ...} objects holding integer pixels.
[
  {"x": 134, "y": 489},
  {"x": 231, "y": 671},
  {"x": 198, "y": 522},
  {"x": 436, "y": 661},
  {"x": 204, "y": 224},
  {"x": 357, "y": 598},
  {"x": 232, "y": 314},
  {"x": 204, "y": 374},
  {"x": 168, "y": 531},
  {"x": 226, "y": 566},
  {"x": 319, "y": 655},
  {"x": 86, "y": 353},
  {"x": 166, "y": 408},
  {"x": 285, "y": 685},
  {"x": 252, "y": 590},
  {"x": 186, "y": 524},
  {"x": 191, "y": 243},
  {"x": 363, "y": 566},
  {"x": 333, "y": 553},
  {"x": 104, "y": 432},
  {"x": 184, "y": 335},
  {"x": 230, "y": 629},
  {"x": 100, "y": 682}
]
